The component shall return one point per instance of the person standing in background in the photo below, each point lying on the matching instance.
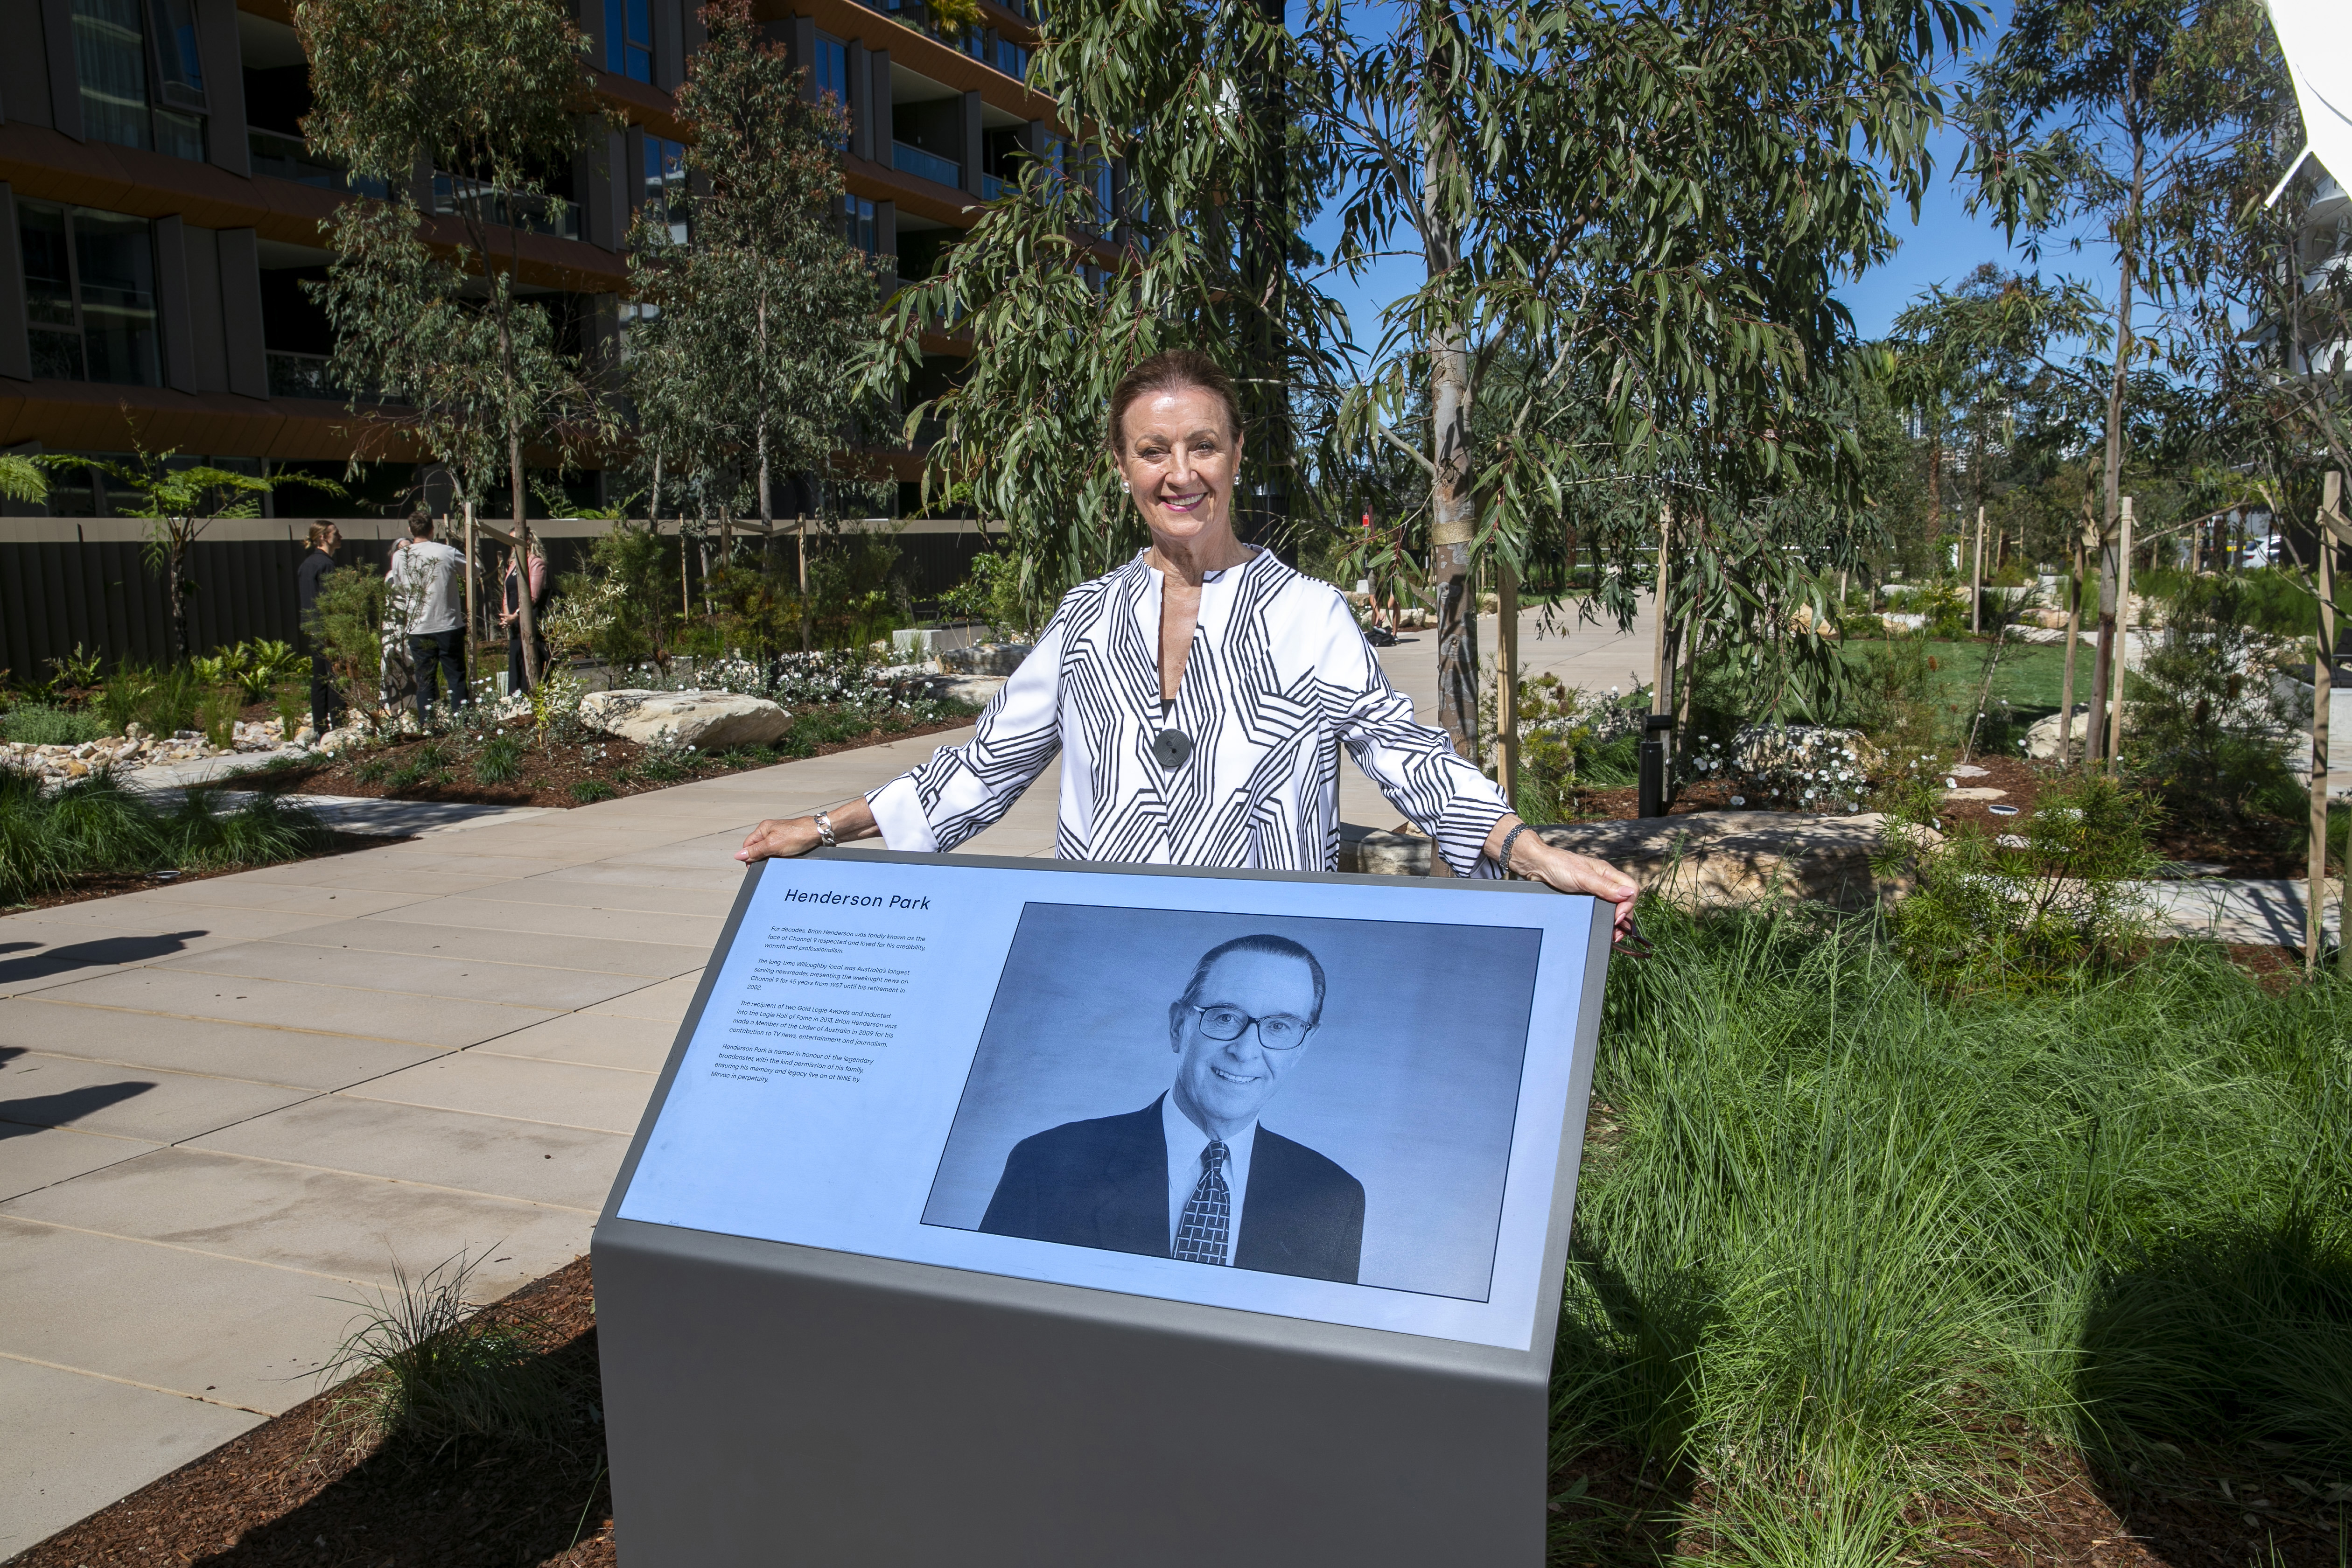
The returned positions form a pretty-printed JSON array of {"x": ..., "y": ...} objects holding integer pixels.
[
  {"x": 325, "y": 540},
  {"x": 511, "y": 616},
  {"x": 427, "y": 577}
]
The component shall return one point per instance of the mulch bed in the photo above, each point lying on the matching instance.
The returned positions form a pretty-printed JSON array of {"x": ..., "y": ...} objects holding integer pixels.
[
  {"x": 2255, "y": 851},
  {"x": 279, "y": 1495},
  {"x": 609, "y": 766}
]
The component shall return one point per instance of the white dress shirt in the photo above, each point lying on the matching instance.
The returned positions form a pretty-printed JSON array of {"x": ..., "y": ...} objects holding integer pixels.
[{"x": 1185, "y": 1144}]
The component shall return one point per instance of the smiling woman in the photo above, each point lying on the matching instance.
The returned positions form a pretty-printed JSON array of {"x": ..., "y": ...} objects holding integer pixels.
[{"x": 1199, "y": 696}]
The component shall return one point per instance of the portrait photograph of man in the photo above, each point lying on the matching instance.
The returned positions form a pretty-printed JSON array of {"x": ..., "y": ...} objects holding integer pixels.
[{"x": 1288, "y": 1095}]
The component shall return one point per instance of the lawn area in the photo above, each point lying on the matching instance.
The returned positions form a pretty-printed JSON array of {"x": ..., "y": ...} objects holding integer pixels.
[
  {"x": 2028, "y": 677},
  {"x": 1860, "y": 1270}
]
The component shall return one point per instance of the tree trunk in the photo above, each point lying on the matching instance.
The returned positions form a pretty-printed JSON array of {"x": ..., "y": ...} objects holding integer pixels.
[
  {"x": 175, "y": 567},
  {"x": 1452, "y": 508},
  {"x": 2127, "y": 255},
  {"x": 530, "y": 671}
]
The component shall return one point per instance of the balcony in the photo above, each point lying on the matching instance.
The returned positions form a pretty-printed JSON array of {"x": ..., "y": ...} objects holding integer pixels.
[
  {"x": 993, "y": 189},
  {"x": 534, "y": 214},
  {"x": 979, "y": 43},
  {"x": 302, "y": 376},
  {"x": 290, "y": 158},
  {"x": 926, "y": 165}
]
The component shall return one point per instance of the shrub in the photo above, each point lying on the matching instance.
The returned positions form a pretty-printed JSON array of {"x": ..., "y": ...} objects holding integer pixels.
[
  {"x": 992, "y": 595},
  {"x": 1570, "y": 739},
  {"x": 2028, "y": 909},
  {"x": 38, "y": 724},
  {"x": 2205, "y": 728},
  {"x": 346, "y": 627},
  {"x": 1890, "y": 696}
]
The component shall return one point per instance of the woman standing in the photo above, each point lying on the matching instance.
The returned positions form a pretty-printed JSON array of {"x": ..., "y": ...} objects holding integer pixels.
[
  {"x": 511, "y": 616},
  {"x": 1199, "y": 696}
]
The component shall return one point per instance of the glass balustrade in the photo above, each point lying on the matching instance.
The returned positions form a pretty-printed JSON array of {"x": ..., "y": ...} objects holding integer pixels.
[{"x": 926, "y": 165}]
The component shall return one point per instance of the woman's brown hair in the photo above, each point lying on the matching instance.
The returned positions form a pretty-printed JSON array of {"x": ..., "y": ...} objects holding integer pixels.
[{"x": 1167, "y": 372}]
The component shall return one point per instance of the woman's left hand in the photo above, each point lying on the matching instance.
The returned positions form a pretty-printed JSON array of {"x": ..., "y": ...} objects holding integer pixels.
[{"x": 1569, "y": 872}]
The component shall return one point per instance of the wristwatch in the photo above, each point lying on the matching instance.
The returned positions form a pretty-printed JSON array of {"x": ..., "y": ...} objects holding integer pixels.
[{"x": 824, "y": 830}]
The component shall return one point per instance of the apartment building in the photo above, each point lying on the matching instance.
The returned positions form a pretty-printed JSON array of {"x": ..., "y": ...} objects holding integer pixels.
[{"x": 159, "y": 211}]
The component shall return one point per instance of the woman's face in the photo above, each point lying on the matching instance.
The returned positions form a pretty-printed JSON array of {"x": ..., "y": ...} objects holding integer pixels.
[{"x": 1178, "y": 456}]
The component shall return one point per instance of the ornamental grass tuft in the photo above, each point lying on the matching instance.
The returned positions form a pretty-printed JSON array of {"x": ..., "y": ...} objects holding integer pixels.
[
  {"x": 96, "y": 827},
  {"x": 1842, "y": 1228}
]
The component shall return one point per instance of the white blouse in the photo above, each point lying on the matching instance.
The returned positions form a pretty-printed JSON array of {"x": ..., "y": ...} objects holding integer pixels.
[{"x": 1278, "y": 678}]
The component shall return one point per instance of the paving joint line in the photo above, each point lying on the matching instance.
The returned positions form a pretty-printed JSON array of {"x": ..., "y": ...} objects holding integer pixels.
[{"x": 134, "y": 1383}]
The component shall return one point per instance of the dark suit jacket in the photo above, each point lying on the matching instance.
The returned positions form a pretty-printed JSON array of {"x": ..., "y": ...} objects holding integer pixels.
[{"x": 1104, "y": 1183}]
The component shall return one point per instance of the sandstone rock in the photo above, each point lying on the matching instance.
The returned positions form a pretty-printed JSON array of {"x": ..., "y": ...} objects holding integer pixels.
[
  {"x": 980, "y": 690},
  {"x": 77, "y": 768},
  {"x": 984, "y": 658},
  {"x": 703, "y": 720},
  {"x": 1703, "y": 860},
  {"x": 1977, "y": 793}
]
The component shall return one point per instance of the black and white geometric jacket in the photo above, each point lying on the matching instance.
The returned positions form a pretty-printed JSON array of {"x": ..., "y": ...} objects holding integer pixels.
[{"x": 1278, "y": 680}]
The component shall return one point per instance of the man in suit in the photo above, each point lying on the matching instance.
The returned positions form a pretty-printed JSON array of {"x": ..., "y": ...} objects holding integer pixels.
[{"x": 1194, "y": 1175}]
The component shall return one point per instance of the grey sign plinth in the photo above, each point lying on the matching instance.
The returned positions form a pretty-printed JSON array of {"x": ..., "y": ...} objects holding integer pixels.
[{"x": 769, "y": 1403}]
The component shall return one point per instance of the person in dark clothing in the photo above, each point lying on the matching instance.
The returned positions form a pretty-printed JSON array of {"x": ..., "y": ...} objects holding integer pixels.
[
  {"x": 510, "y": 617},
  {"x": 319, "y": 561}
]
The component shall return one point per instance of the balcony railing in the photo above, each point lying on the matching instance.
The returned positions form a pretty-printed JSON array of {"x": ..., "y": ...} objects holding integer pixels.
[
  {"x": 926, "y": 165},
  {"x": 290, "y": 158},
  {"x": 295, "y": 375},
  {"x": 973, "y": 41},
  {"x": 534, "y": 214},
  {"x": 993, "y": 189},
  {"x": 302, "y": 376}
]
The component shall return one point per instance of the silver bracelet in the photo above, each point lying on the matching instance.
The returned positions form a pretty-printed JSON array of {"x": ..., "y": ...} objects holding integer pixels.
[
  {"x": 1504, "y": 860},
  {"x": 824, "y": 830}
]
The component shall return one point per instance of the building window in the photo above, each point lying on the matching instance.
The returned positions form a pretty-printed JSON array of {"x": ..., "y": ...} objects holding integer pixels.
[
  {"x": 830, "y": 69},
  {"x": 664, "y": 190},
  {"x": 89, "y": 288},
  {"x": 1106, "y": 210},
  {"x": 113, "y": 59},
  {"x": 629, "y": 39},
  {"x": 1012, "y": 59},
  {"x": 857, "y": 224}
]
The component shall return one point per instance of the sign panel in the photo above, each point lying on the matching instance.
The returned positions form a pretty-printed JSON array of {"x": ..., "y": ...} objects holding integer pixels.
[{"x": 1326, "y": 1098}]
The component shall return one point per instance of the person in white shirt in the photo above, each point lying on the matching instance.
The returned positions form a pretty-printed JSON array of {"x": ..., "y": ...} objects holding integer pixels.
[
  {"x": 427, "y": 579},
  {"x": 1198, "y": 698}
]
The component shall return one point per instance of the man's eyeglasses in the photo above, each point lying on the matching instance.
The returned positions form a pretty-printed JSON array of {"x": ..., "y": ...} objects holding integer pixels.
[{"x": 1280, "y": 1032}]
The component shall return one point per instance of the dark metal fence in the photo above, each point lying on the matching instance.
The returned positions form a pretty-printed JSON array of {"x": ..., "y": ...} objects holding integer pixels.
[{"x": 57, "y": 595}]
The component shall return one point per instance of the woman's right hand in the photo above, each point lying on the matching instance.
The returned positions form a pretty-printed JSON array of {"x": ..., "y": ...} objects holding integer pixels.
[{"x": 782, "y": 839}]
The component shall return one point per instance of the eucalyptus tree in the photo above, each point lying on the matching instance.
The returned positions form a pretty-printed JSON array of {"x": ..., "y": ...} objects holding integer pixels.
[
  {"x": 1983, "y": 353},
  {"x": 1060, "y": 291},
  {"x": 1655, "y": 202},
  {"x": 430, "y": 310},
  {"x": 2116, "y": 116},
  {"x": 750, "y": 332}
]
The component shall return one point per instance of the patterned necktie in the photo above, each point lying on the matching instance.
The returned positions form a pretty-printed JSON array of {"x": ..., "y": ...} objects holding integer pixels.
[{"x": 1200, "y": 1233}]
